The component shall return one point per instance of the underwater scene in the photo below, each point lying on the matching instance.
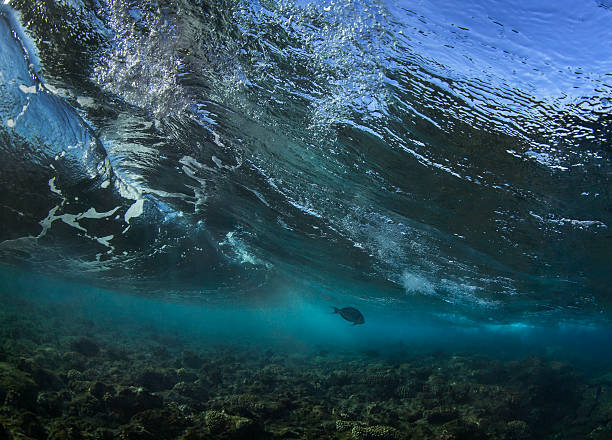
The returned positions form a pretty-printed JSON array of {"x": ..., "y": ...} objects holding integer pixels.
[{"x": 289, "y": 219}]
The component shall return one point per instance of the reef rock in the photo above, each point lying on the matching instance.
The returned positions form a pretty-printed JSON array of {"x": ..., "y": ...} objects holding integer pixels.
[
  {"x": 69, "y": 429},
  {"x": 85, "y": 346},
  {"x": 155, "y": 380},
  {"x": 192, "y": 390},
  {"x": 128, "y": 401},
  {"x": 17, "y": 388},
  {"x": 183, "y": 375},
  {"x": 50, "y": 403},
  {"x": 377, "y": 432},
  {"x": 155, "y": 423},
  {"x": 347, "y": 425},
  {"x": 440, "y": 415},
  {"x": 517, "y": 430},
  {"x": 191, "y": 360},
  {"x": 223, "y": 425}
]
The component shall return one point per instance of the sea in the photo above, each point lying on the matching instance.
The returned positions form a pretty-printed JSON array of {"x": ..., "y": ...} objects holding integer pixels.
[{"x": 190, "y": 188}]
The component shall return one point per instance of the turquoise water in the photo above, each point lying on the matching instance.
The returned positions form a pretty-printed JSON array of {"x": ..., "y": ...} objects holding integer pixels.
[
  {"x": 291, "y": 322},
  {"x": 223, "y": 174}
]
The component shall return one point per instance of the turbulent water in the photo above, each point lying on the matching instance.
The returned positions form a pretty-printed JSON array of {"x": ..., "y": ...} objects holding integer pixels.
[{"x": 423, "y": 155}]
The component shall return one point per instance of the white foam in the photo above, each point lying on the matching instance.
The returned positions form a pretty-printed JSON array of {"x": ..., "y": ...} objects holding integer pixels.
[
  {"x": 26, "y": 89},
  {"x": 135, "y": 210},
  {"x": 105, "y": 241},
  {"x": 85, "y": 101},
  {"x": 53, "y": 188},
  {"x": 92, "y": 213},
  {"x": 428, "y": 162},
  {"x": 305, "y": 208},
  {"x": 415, "y": 284},
  {"x": 127, "y": 191},
  {"x": 240, "y": 250},
  {"x": 11, "y": 122},
  {"x": 217, "y": 161},
  {"x": 581, "y": 224}
]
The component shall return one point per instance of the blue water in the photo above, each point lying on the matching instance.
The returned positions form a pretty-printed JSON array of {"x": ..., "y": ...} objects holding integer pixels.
[
  {"x": 436, "y": 164},
  {"x": 294, "y": 324}
]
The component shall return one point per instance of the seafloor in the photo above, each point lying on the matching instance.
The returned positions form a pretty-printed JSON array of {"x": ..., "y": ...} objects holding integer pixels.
[{"x": 66, "y": 376}]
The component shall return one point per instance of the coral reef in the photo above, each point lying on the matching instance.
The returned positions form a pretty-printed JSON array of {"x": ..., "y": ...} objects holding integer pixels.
[{"x": 56, "y": 384}]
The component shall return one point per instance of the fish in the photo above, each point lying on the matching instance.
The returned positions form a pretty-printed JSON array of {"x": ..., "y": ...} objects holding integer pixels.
[{"x": 350, "y": 314}]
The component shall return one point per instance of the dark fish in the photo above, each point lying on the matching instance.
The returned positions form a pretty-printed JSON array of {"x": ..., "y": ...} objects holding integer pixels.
[{"x": 350, "y": 314}]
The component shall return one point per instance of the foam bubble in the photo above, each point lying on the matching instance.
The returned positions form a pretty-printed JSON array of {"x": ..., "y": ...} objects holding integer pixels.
[{"x": 415, "y": 284}]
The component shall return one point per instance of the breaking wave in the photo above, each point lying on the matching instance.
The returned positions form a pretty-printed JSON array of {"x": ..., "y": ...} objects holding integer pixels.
[{"x": 454, "y": 160}]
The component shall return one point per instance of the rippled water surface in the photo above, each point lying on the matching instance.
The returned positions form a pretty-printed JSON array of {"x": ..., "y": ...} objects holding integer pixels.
[{"x": 422, "y": 155}]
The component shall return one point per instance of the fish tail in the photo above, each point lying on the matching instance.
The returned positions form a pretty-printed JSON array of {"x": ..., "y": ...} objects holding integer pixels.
[{"x": 336, "y": 310}]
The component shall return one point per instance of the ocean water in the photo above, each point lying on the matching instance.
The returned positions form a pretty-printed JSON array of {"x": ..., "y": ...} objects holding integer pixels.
[{"x": 189, "y": 187}]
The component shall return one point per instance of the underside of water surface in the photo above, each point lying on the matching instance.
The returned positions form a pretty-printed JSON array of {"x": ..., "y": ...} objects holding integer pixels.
[
  {"x": 413, "y": 155},
  {"x": 188, "y": 188}
]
